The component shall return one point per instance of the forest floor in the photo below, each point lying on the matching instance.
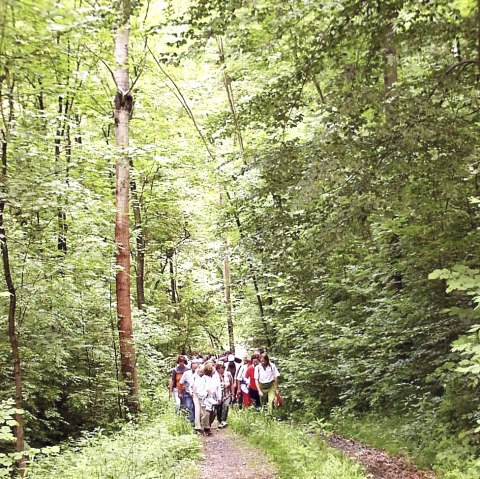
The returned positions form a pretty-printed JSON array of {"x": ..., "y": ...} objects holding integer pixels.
[
  {"x": 379, "y": 464},
  {"x": 228, "y": 455}
]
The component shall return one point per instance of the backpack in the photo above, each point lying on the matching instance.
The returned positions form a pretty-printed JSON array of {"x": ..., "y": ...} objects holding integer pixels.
[{"x": 176, "y": 376}]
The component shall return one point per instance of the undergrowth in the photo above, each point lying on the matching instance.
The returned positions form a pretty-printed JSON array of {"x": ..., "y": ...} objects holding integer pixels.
[
  {"x": 159, "y": 446},
  {"x": 428, "y": 443},
  {"x": 295, "y": 453}
]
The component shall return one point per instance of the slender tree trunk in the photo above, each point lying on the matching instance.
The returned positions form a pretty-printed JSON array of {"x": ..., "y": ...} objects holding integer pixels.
[
  {"x": 141, "y": 244},
  {"x": 241, "y": 146},
  {"x": 173, "y": 276},
  {"x": 115, "y": 353},
  {"x": 181, "y": 98},
  {"x": 478, "y": 38},
  {"x": 227, "y": 282},
  {"x": 61, "y": 213},
  {"x": 251, "y": 267},
  {"x": 390, "y": 76},
  {"x": 227, "y": 81},
  {"x": 123, "y": 108},
  {"x": 12, "y": 326},
  {"x": 390, "y": 72}
]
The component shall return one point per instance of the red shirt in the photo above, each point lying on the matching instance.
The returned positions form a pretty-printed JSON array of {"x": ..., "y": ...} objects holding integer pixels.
[{"x": 249, "y": 374}]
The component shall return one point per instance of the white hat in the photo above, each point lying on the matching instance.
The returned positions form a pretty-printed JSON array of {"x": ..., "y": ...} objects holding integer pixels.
[{"x": 231, "y": 358}]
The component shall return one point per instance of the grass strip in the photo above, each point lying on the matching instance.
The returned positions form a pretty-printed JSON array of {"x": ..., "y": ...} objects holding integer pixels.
[{"x": 296, "y": 454}]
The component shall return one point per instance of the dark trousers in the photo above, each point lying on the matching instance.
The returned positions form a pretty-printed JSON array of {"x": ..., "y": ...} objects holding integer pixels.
[
  {"x": 187, "y": 403},
  {"x": 222, "y": 410},
  {"x": 240, "y": 401},
  {"x": 255, "y": 397}
]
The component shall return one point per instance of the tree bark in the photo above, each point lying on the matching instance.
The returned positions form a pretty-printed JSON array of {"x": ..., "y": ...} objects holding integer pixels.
[
  {"x": 123, "y": 108},
  {"x": 12, "y": 326},
  {"x": 478, "y": 38},
  {"x": 227, "y": 81},
  {"x": 227, "y": 282},
  {"x": 173, "y": 276},
  {"x": 390, "y": 72},
  {"x": 61, "y": 213},
  {"x": 141, "y": 245}
]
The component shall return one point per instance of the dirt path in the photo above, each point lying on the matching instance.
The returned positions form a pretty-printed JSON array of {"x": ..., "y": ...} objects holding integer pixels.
[
  {"x": 378, "y": 463},
  {"x": 227, "y": 455}
]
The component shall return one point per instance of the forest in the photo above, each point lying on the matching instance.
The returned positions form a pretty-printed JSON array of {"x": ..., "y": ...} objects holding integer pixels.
[{"x": 188, "y": 176}]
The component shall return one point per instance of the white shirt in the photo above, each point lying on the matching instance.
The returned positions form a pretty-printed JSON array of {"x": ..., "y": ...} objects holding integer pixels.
[
  {"x": 241, "y": 377},
  {"x": 208, "y": 388},
  {"x": 266, "y": 375},
  {"x": 194, "y": 383},
  {"x": 187, "y": 378},
  {"x": 241, "y": 372}
]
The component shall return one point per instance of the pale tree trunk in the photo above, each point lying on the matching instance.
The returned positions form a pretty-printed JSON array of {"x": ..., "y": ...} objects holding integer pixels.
[
  {"x": 390, "y": 68},
  {"x": 227, "y": 282},
  {"x": 12, "y": 326},
  {"x": 227, "y": 82},
  {"x": 123, "y": 108}
]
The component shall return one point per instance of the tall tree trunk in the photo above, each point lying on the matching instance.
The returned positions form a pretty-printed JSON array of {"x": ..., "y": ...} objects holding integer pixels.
[
  {"x": 173, "y": 276},
  {"x": 251, "y": 267},
  {"x": 141, "y": 244},
  {"x": 121, "y": 409},
  {"x": 61, "y": 213},
  {"x": 227, "y": 282},
  {"x": 227, "y": 82},
  {"x": 123, "y": 108},
  {"x": 12, "y": 326},
  {"x": 181, "y": 98},
  {"x": 478, "y": 38},
  {"x": 390, "y": 71},
  {"x": 390, "y": 76}
]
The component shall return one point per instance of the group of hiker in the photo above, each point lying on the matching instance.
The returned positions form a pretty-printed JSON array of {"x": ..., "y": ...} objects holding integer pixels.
[{"x": 205, "y": 386}]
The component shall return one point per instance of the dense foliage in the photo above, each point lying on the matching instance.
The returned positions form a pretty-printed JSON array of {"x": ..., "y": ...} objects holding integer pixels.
[
  {"x": 360, "y": 178},
  {"x": 57, "y": 120},
  {"x": 330, "y": 148}
]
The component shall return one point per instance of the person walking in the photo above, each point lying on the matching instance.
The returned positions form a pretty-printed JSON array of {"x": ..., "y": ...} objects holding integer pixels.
[
  {"x": 187, "y": 381},
  {"x": 243, "y": 396},
  {"x": 209, "y": 394},
  {"x": 266, "y": 380},
  {"x": 175, "y": 388},
  {"x": 227, "y": 387},
  {"x": 252, "y": 385},
  {"x": 196, "y": 380}
]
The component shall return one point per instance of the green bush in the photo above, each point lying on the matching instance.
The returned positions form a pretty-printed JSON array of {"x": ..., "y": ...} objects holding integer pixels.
[{"x": 162, "y": 447}]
